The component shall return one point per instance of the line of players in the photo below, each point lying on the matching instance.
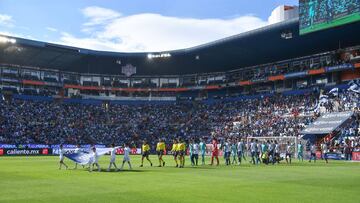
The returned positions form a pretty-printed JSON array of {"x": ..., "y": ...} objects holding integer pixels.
[
  {"x": 94, "y": 159},
  {"x": 234, "y": 152}
]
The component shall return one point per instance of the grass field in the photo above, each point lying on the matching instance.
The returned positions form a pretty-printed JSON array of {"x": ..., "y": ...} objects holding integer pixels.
[{"x": 37, "y": 179}]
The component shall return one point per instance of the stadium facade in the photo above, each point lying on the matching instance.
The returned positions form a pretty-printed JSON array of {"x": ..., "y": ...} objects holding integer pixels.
[{"x": 270, "y": 59}]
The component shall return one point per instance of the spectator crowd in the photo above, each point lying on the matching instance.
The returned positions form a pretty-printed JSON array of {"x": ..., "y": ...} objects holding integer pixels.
[{"x": 23, "y": 122}]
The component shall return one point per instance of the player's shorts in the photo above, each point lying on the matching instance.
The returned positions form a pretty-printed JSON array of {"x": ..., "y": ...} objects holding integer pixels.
[
  {"x": 62, "y": 159},
  {"x": 313, "y": 154},
  {"x": 300, "y": 154},
  {"x": 160, "y": 153},
  {"x": 253, "y": 154},
  {"x": 239, "y": 153},
  {"x": 227, "y": 154},
  {"x": 181, "y": 153},
  {"x": 112, "y": 160},
  {"x": 176, "y": 153},
  {"x": 325, "y": 155},
  {"x": 203, "y": 153},
  {"x": 215, "y": 153},
  {"x": 126, "y": 158},
  {"x": 288, "y": 155},
  {"x": 145, "y": 154}
]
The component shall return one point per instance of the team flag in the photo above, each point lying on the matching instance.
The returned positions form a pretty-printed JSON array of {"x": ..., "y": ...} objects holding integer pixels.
[
  {"x": 334, "y": 92},
  {"x": 85, "y": 157},
  {"x": 354, "y": 88}
]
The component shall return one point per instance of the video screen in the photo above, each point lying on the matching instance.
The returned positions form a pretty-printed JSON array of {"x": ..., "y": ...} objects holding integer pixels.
[{"x": 318, "y": 15}]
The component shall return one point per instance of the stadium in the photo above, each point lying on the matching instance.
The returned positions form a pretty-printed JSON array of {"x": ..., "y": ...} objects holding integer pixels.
[{"x": 270, "y": 114}]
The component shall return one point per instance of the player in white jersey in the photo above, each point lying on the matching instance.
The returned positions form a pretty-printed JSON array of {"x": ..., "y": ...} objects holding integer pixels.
[
  {"x": 227, "y": 151},
  {"x": 288, "y": 153},
  {"x": 258, "y": 152},
  {"x": 113, "y": 157},
  {"x": 312, "y": 153},
  {"x": 253, "y": 151},
  {"x": 126, "y": 156},
  {"x": 61, "y": 156},
  {"x": 77, "y": 150},
  {"x": 325, "y": 151},
  {"x": 240, "y": 149},
  {"x": 94, "y": 160},
  {"x": 271, "y": 149},
  {"x": 195, "y": 153},
  {"x": 233, "y": 151},
  {"x": 277, "y": 152}
]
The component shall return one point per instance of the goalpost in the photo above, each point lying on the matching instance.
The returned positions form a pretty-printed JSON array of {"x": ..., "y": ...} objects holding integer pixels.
[{"x": 282, "y": 141}]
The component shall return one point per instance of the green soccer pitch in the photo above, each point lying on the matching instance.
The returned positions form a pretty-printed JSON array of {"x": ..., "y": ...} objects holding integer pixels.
[{"x": 37, "y": 179}]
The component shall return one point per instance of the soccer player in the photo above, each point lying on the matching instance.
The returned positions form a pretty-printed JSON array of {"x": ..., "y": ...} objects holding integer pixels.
[
  {"x": 240, "y": 150},
  {"x": 227, "y": 152},
  {"x": 145, "y": 153},
  {"x": 288, "y": 153},
  {"x": 312, "y": 153},
  {"x": 191, "y": 151},
  {"x": 126, "y": 156},
  {"x": 253, "y": 151},
  {"x": 215, "y": 152},
  {"x": 271, "y": 146},
  {"x": 300, "y": 154},
  {"x": 277, "y": 153},
  {"x": 203, "y": 151},
  {"x": 61, "y": 155},
  {"x": 325, "y": 151},
  {"x": 233, "y": 151},
  {"x": 77, "y": 150},
  {"x": 258, "y": 151},
  {"x": 113, "y": 157},
  {"x": 312, "y": 12},
  {"x": 160, "y": 150},
  {"x": 174, "y": 150},
  {"x": 264, "y": 153},
  {"x": 95, "y": 160},
  {"x": 195, "y": 153},
  {"x": 181, "y": 149}
]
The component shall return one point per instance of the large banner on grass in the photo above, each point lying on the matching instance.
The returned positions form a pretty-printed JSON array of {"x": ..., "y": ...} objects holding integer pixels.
[
  {"x": 85, "y": 157},
  {"x": 327, "y": 123}
]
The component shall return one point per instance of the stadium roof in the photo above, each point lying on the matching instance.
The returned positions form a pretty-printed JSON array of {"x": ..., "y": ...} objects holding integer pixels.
[{"x": 260, "y": 46}]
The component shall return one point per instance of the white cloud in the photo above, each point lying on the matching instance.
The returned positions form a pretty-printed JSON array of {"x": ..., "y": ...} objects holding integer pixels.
[
  {"x": 51, "y": 29},
  {"x": 6, "y": 20},
  {"x": 108, "y": 30},
  {"x": 98, "y": 15}
]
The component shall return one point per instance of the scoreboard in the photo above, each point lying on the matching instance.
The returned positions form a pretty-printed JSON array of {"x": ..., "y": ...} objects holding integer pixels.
[{"x": 317, "y": 15}]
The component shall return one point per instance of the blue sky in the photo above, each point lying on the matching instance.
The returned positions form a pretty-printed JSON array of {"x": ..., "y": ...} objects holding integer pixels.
[{"x": 133, "y": 25}]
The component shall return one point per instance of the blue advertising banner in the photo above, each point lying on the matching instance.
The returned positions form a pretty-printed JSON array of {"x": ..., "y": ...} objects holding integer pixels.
[
  {"x": 295, "y": 75},
  {"x": 7, "y": 146},
  {"x": 333, "y": 155},
  {"x": 339, "y": 67}
]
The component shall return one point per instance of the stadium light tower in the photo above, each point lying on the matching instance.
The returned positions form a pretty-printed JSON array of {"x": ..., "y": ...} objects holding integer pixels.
[
  {"x": 159, "y": 55},
  {"x": 7, "y": 40}
]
